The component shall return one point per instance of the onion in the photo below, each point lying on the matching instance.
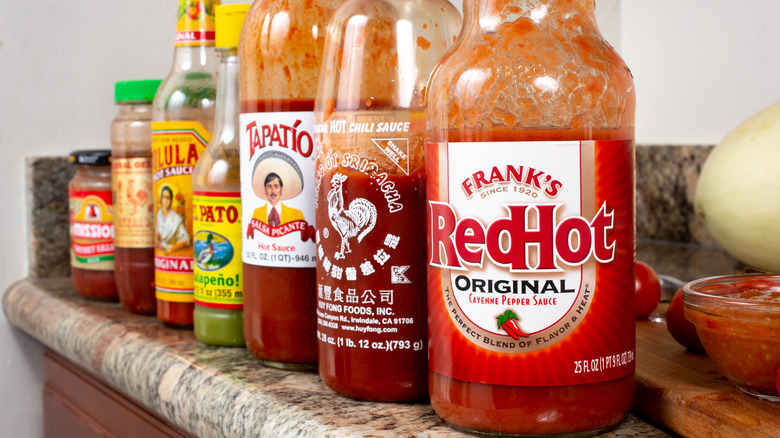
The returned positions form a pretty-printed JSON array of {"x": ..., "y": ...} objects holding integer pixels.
[{"x": 738, "y": 194}]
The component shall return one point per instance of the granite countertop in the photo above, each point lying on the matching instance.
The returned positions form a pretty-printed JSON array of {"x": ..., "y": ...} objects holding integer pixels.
[{"x": 210, "y": 391}]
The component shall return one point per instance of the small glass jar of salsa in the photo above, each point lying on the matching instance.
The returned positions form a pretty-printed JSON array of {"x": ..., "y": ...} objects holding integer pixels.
[
  {"x": 92, "y": 225},
  {"x": 737, "y": 318}
]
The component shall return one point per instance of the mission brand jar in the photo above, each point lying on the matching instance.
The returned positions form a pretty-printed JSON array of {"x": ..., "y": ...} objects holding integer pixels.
[
  {"x": 530, "y": 188},
  {"x": 131, "y": 176},
  {"x": 92, "y": 225}
]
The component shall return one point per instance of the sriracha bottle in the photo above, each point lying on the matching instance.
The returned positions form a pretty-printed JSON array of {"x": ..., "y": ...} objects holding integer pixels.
[
  {"x": 530, "y": 218},
  {"x": 279, "y": 57},
  {"x": 370, "y": 195}
]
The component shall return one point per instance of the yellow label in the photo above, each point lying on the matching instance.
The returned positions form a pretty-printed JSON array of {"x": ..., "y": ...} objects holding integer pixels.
[
  {"x": 91, "y": 230},
  {"x": 176, "y": 147},
  {"x": 217, "y": 250},
  {"x": 131, "y": 184},
  {"x": 196, "y": 23}
]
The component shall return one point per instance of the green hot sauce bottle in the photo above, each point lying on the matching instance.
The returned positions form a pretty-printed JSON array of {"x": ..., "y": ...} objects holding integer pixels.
[{"x": 218, "y": 269}]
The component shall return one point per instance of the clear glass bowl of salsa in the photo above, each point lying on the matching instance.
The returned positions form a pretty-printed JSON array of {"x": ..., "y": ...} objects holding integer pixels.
[{"x": 738, "y": 320}]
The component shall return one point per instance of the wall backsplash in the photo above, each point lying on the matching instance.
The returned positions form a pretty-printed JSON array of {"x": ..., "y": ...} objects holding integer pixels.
[
  {"x": 666, "y": 179},
  {"x": 48, "y": 231}
]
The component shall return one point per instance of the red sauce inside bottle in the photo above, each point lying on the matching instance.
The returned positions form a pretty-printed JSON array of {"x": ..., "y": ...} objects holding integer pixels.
[
  {"x": 280, "y": 322},
  {"x": 93, "y": 283},
  {"x": 134, "y": 270},
  {"x": 527, "y": 409},
  {"x": 134, "y": 275},
  {"x": 390, "y": 366},
  {"x": 176, "y": 314}
]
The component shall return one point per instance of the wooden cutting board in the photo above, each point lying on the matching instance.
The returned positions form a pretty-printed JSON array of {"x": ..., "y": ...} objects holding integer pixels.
[{"x": 686, "y": 393}]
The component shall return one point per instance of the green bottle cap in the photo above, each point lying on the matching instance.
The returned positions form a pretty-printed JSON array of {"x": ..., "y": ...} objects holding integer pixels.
[{"x": 136, "y": 90}]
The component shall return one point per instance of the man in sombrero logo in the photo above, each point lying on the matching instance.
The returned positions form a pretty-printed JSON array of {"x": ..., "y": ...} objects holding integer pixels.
[
  {"x": 275, "y": 178},
  {"x": 275, "y": 213}
]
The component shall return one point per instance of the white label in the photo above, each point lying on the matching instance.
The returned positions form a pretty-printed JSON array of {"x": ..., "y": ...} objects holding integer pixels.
[
  {"x": 513, "y": 209},
  {"x": 277, "y": 190}
]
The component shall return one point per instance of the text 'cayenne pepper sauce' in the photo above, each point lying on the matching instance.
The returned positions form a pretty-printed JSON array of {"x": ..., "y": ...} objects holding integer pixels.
[
  {"x": 530, "y": 185},
  {"x": 370, "y": 195},
  {"x": 279, "y": 57},
  {"x": 183, "y": 118}
]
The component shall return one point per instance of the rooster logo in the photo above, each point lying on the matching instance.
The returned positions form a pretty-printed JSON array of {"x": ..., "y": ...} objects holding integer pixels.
[{"x": 356, "y": 221}]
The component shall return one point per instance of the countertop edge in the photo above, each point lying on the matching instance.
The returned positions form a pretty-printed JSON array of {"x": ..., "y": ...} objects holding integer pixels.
[
  {"x": 210, "y": 391},
  {"x": 29, "y": 307}
]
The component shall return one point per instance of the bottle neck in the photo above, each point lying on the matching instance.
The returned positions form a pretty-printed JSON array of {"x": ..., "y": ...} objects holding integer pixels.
[
  {"x": 186, "y": 58},
  {"x": 227, "y": 106},
  {"x": 490, "y": 14}
]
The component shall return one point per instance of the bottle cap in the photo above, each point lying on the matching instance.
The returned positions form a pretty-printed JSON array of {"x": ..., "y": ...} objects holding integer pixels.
[
  {"x": 136, "y": 90},
  {"x": 228, "y": 22},
  {"x": 97, "y": 157}
]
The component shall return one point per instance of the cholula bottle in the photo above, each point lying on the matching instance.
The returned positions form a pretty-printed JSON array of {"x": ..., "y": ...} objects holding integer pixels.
[
  {"x": 182, "y": 121},
  {"x": 218, "y": 317},
  {"x": 279, "y": 56},
  {"x": 370, "y": 194},
  {"x": 530, "y": 159}
]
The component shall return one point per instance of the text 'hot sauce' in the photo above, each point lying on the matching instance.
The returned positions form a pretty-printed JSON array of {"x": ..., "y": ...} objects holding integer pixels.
[
  {"x": 530, "y": 222},
  {"x": 370, "y": 195},
  {"x": 279, "y": 55}
]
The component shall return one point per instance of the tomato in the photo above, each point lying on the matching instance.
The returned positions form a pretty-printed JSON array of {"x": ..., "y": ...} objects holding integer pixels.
[
  {"x": 682, "y": 330},
  {"x": 648, "y": 290}
]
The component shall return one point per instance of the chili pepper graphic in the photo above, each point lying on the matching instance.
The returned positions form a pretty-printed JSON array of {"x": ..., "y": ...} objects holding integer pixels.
[{"x": 508, "y": 322}]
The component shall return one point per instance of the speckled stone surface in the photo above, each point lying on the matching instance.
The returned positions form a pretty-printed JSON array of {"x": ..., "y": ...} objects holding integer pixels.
[
  {"x": 666, "y": 178},
  {"x": 210, "y": 391},
  {"x": 47, "y": 198}
]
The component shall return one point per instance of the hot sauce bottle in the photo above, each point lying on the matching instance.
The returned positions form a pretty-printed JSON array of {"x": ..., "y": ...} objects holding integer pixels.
[
  {"x": 530, "y": 218},
  {"x": 370, "y": 195},
  {"x": 279, "y": 57},
  {"x": 183, "y": 117},
  {"x": 92, "y": 225},
  {"x": 218, "y": 317},
  {"x": 131, "y": 182}
]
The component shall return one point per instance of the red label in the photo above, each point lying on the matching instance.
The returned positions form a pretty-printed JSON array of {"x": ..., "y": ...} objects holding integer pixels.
[
  {"x": 531, "y": 262},
  {"x": 91, "y": 229}
]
